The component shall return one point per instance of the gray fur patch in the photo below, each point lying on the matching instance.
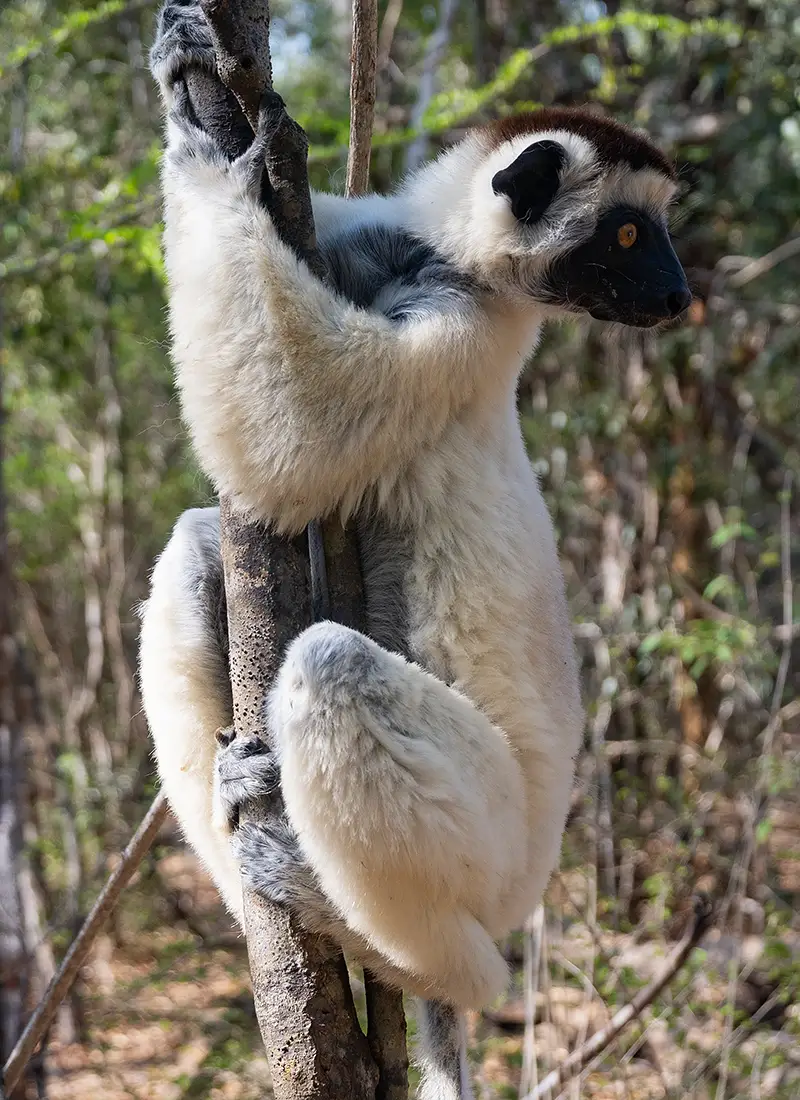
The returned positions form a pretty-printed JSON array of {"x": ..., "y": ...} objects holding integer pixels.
[
  {"x": 204, "y": 580},
  {"x": 445, "y": 1048},
  {"x": 389, "y": 269},
  {"x": 386, "y": 556},
  {"x": 274, "y": 866},
  {"x": 246, "y": 773}
]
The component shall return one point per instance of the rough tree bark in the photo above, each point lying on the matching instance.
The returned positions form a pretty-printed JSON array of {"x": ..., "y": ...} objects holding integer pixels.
[{"x": 274, "y": 589}]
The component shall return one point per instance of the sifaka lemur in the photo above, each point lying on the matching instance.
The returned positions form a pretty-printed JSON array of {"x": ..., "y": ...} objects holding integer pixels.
[{"x": 425, "y": 795}]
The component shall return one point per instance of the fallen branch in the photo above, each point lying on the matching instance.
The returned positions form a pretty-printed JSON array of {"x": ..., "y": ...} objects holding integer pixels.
[
  {"x": 75, "y": 957},
  {"x": 579, "y": 1059}
]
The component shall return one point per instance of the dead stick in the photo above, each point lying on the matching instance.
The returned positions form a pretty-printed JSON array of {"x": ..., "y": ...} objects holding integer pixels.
[
  {"x": 576, "y": 1062},
  {"x": 75, "y": 957}
]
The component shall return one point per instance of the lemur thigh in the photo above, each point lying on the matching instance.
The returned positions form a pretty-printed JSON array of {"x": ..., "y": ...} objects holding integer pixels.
[
  {"x": 408, "y": 803},
  {"x": 298, "y": 401},
  {"x": 187, "y": 699},
  {"x": 186, "y": 688}
]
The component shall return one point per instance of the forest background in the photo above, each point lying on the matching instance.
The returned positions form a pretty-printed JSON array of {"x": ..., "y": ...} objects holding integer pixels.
[{"x": 670, "y": 463}]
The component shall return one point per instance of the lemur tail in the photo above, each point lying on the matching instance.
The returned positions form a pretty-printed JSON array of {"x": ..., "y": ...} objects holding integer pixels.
[{"x": 443, "y": 1053}]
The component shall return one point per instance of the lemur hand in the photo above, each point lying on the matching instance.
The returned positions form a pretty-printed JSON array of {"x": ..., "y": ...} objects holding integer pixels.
[{"x": 183, "y": 41}]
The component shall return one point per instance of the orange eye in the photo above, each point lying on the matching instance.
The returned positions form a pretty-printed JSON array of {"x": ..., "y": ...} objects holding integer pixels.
[{"x": 627, "y": 234}]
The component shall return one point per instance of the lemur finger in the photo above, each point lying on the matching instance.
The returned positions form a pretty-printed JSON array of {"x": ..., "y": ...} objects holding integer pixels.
[
  {"x": 182, "y": 111},
  {"x": 225, "y": 737},
  {"x": 271, "y": 115}
]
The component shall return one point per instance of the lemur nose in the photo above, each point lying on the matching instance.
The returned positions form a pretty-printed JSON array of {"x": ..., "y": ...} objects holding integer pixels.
[{"x": 678, "y": 301}]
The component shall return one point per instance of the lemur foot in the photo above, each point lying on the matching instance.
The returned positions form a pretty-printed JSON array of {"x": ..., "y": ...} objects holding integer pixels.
[
  {"x": 246, "y": 772},
  {"x": 183, "y": 41},
  {"x": 268, "y": 853}
]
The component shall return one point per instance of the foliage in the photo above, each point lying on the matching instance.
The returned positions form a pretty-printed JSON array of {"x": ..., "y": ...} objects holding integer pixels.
[{"x": 666, "y": 458}]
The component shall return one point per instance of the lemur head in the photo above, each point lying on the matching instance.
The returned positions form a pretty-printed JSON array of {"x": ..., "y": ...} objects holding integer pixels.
[{"x": 569, "y": 209}]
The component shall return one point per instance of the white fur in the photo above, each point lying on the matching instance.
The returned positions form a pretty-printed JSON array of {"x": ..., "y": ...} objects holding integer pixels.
[
  {"x": 431, "y": 814},
  {"x": 450, "y": 202},
  {"x": 180, "y": 674}
]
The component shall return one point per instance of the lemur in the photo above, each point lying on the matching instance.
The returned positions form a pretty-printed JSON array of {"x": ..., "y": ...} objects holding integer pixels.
[{"x": 425, "y": 794}]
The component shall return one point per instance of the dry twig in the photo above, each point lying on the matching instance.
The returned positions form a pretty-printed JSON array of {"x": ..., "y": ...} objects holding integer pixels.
[
  {"x": 601, "y": 1040},
  {"x": 75, "y": 957},
  {"x": 753, "y": 269}
]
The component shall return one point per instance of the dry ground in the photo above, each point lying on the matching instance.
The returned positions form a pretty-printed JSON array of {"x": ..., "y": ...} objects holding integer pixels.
[{"x": 168, "y": 1012}]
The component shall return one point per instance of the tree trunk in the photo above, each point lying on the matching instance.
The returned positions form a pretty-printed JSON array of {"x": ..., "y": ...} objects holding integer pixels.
[{"x": 275, "y": 588}]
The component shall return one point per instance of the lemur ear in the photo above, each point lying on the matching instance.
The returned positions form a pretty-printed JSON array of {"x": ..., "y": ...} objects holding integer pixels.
[{"x": 531, "y": 182}]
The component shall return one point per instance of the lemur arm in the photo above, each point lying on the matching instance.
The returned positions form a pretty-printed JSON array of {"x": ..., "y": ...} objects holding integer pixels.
[{"x": 297, "y": 400}]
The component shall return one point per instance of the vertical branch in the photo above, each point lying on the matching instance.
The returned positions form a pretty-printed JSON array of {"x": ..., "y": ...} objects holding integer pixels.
[
  {"x": 302, "y": 993},
  {"x": 363, "y": 68},
  {"x": 386, "y": 1026}
]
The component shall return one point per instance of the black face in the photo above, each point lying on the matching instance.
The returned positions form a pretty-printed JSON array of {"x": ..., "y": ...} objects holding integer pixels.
[{"x": 627, "y": 272}]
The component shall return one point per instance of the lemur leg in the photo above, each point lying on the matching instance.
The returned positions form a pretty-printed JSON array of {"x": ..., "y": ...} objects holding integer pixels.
[
  {"x": 407, "y": 803},
  {"x": 269, "y": 856},
  {"x": 186, "y": 688},
  {"x": 273, "y": 865},
  {"x": 207, "y": 774}
]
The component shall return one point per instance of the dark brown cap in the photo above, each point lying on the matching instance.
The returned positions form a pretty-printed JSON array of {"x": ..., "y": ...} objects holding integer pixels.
[{"x": 614, "y": 142}]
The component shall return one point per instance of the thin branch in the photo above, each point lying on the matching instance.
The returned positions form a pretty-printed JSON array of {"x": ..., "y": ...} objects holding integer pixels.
[
  {"x": 391, "y": 17},
  {"x": 577, "y": 1061},
  {"x": 386, "y": 1024},
  {"x": 755, "y": 268},
  {"x": 363, "y": 67},
  {"x": 40, "y": 1021},
  {"x": 787, "y": 594}
]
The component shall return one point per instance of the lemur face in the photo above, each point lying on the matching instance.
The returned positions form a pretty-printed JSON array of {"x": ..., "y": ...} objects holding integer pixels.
[
  {"x": 626, "y": 272},
  {"x": 588, "y": 198}
]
